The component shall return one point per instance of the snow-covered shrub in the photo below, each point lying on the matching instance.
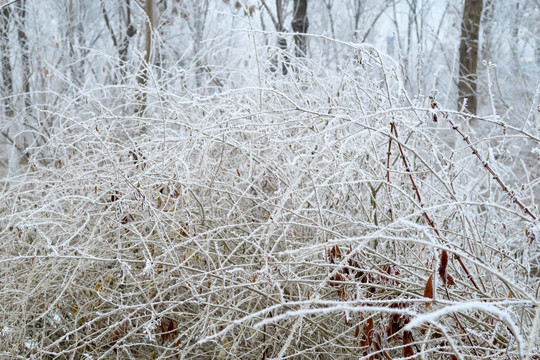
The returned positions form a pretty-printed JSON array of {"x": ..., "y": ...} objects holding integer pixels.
[{"x": 312, "y": 215}]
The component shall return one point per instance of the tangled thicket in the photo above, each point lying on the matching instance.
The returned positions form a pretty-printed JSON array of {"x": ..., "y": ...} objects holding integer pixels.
[{"x": 310, "y": 216}]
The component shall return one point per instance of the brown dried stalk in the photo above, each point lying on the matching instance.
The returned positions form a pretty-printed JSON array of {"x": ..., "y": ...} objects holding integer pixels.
[
  {"x": 511, "y": 194},
  {"x": 393, "y": 130},
  {"x": 446, "y": 278}
]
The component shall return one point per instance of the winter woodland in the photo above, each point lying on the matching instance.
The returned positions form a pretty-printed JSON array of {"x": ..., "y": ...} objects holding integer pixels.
[{"x": 270, "y": 179}]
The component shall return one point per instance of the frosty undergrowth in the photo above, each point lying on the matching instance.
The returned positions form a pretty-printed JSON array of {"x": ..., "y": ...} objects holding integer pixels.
[{"x": 277, "y": 219}]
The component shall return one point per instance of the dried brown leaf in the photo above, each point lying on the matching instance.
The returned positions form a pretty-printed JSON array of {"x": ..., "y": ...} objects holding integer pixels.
[
  {"x": 428, "y": 290},
  {"x": 443, "y": 265},
  {"x": 367, "y": 333},
  {"x": 407, "y": 348}
]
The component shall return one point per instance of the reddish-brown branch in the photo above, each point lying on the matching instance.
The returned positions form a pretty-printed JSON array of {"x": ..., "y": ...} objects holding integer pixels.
[
  {"x": 393, "y": 129},
  {"x": 389, "y": 153},
  {"x": 510, "y": 193}
]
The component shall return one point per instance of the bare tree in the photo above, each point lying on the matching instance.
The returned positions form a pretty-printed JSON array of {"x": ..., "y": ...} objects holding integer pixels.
[
  {"x": 357, "y": 10},
  {"x": 142, "y": 76},
  {"x": 76, "y": 49},
  {"x": 197, "y": 23},
  {"x": 468, "y": 54},
  {"x": 300, "y": 25},
  {"x": 536, "y": 29},
  {"x": 7, "y": 88},
  {"x": 120, "y": 38},
  {"x": 23, "y": 43},
  {"x": 487, "y": 28},
  {"x": 280, "y": 28},
  {"x": 537, "y": 51}
]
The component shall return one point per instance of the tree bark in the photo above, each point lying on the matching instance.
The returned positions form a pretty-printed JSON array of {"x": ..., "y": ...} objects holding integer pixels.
[
  {"x": 199, "y": 13},
  {"x": 74, "y": 39},
  {"x": 124, "y": 43},
  {"x": 7, "y": 88},
  {"x": 537, "y": 52},
  {"x": 468, "y": 54},
  {"x": 23, "y": 43},
  {"x": 281, "y": 40},
  {"x": 300, "y": 26},
  {"x": 142, "y": 77},
  {"x": 358, "y": 9},
  {"x": 487, "y": 29},
  {"x": 121, "y": 42}
]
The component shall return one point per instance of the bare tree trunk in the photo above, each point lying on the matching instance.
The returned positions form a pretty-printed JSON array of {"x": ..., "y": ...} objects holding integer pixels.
[
  {"x": 124, "y": 43},
  {"x": 121, "y": 42},
  {"x": 281, "y": 40},
  {"x": 329, "y": 4},
  {"x": 142, "y": 76},
  {"x": 23, "y": 43},
  {"x": 358, "y": 9},
  {"x": 487, "y": 29},
  {"x": 468, "y": 54},
  {"x": 200, "y": 11},
  {"x": 7, "y": 89},
  {"x": 300, "y": 26},
  {"x": 74, "y": 39},
  {"x": 537, "y": 52},
  {"x": 410, "y": 24}
]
